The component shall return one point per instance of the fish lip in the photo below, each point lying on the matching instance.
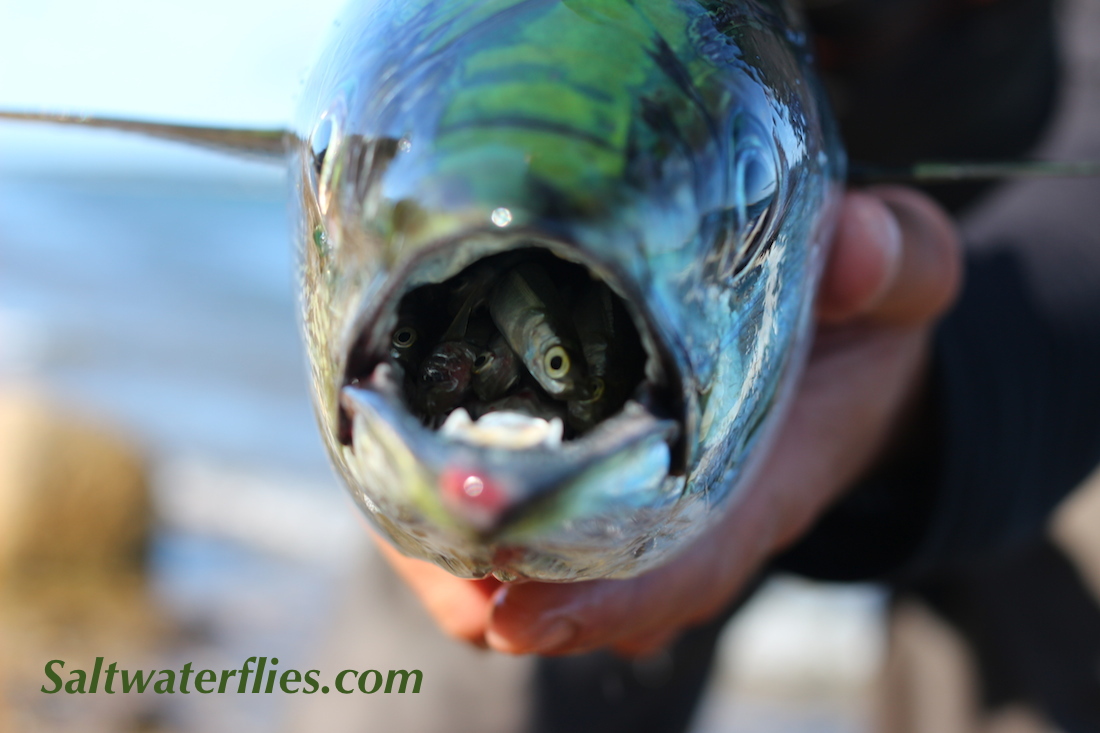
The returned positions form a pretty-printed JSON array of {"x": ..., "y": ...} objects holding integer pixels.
[
  {"x": 369, "y": 341},
  {"x": 539, "y": 470}
]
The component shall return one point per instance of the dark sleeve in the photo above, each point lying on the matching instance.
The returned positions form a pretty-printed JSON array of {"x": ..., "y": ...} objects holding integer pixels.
[
  {"x": 1012, "y": 416},
  {"x": 1014, "y": 419},
  {"x": 1019, "y": 367},
  {"x": 915, "y": 80}
]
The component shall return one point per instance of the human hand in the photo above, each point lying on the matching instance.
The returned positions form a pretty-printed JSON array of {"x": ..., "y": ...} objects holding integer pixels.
[{"x": 893, "y": 269}]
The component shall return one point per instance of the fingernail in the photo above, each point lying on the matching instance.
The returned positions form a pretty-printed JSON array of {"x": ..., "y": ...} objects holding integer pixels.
[
  {"x": 554, "y": 636},
  {"x": 889, "y": 228},
  {"x": 882, "y": 224}
]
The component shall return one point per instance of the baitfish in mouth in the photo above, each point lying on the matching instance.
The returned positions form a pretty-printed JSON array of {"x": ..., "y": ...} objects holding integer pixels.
[
  {"x": 569, "y": 352},
  {"x": 456, "y": 373}
]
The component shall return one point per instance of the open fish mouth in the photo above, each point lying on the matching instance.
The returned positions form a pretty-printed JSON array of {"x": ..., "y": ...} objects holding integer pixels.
[{"x": 500, "y": 378}]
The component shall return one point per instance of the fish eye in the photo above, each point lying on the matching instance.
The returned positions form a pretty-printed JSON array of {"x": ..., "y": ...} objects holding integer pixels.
[
  {"x": 404, "y": 337},
  {"x": 556, "y": 362},
  {"x": 482, "y": 361},
  {"x": 759, "y": 186},
  {"x": 757, "y": 180},
  {"x": 755, "y": 196}
]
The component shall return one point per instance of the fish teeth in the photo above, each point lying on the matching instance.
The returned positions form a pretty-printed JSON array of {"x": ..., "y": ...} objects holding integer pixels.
[
  {"x": 384, "y": 379},
  {"x": 504, "y": 429},
  {"x": 456, "y": 422}
]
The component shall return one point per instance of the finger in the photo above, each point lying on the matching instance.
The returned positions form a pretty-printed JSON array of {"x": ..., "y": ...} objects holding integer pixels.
[
  {"x": 460, "y": 607},
  {"x": 634, "y": 614},
  {"x": 930, "y": 271},
  {"x": 863, "y": 261}
]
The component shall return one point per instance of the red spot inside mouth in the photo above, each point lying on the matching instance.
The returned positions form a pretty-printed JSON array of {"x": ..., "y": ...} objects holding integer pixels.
[{"x": 473, "y": 497}]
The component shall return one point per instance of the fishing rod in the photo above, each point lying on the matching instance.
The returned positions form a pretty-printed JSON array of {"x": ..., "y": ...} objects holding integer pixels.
[
  {"x": 271, "y": 144},
  {"x": 942, "y": 172},
  {"x": 274, "y": 143}
]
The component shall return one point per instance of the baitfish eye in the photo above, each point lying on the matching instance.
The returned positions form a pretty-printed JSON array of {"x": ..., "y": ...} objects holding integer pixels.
[
  {"x": 482, "y": 362},
  {"x": 404, "y": 337},
  {"x": 319, "y": 143},
  {"x": 595, "y": 390},
  {"x": 556, "y": 362}
]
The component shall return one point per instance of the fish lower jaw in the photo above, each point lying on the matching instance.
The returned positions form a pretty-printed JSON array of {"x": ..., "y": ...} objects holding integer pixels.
[{"x": 482, "y": 478}]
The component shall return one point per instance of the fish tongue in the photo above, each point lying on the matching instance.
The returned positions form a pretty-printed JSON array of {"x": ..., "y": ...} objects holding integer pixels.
[{"x": 502, "y": 429}]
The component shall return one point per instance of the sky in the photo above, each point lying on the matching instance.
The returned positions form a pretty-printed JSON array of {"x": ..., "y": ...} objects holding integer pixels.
[
  {"x": 223, "y": 62},
  {"x": 173, "y": 266}
]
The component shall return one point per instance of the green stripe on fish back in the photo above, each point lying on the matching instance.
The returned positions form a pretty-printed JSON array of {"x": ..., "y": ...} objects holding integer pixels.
[
  {"x": 451, "y": 20},
  {"x": 554, "y": 101}
]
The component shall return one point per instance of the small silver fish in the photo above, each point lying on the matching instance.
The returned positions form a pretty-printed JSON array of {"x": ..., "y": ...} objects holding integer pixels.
[
  {"x": 496, "y": 370},
  {"x": 446, "y": 374},
  {"x": 445, "y": 377},
  {"x": 527, "y": 309},
  {"x": 614, "y": 360}
]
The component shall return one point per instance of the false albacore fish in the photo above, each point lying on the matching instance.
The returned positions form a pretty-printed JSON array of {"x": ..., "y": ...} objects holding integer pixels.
[
  {"x": 678, "y": 156},
  {"x": 666, "y": 170}
]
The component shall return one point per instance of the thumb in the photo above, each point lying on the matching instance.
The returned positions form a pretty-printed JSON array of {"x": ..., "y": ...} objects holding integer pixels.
[{"x": 895, "y": 260}]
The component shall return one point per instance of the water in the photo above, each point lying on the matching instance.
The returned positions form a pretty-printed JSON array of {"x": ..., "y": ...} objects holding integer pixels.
[
  {"x": 165, "y": 302},
  {"x": 159, "y": 298}
]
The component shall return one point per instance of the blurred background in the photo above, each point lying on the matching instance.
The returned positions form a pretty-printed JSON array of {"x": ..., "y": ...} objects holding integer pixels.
[{"x": 164, "y": 496}]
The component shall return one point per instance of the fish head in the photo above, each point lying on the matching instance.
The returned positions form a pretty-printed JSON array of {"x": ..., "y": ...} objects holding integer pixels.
[
  {"x": 536, "y": 322},
  {"x": 496, "y": 370},
  {"x": 629, "y": 147},
  {"x": 444, "y": 378}
]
